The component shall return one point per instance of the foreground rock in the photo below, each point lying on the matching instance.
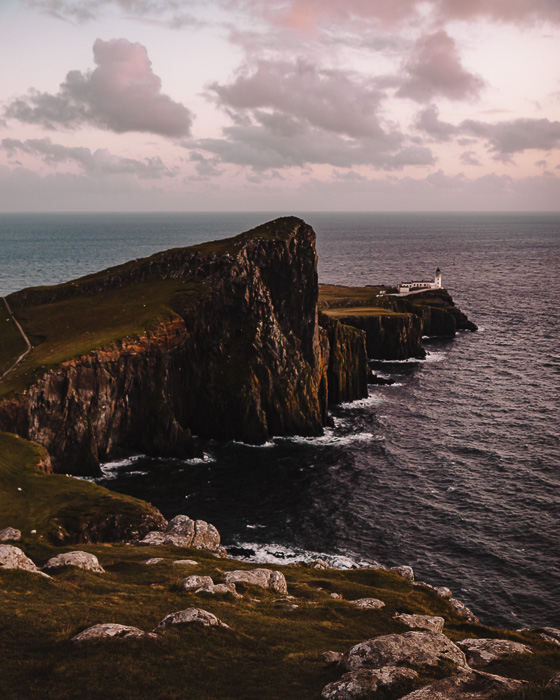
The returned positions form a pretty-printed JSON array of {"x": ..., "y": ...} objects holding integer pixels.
[
  {"x": 369, "y": 603},
  {"x": 10, "y": 534},
  {"x": 202, "y": 535},
  {"x": 263, "y": 578},
  {"x": 81, "y": 560},
  {"x": 190, "y": 616},
  {"x": 13, "y": 558},
  {"x": 412, "y": 648},
  {"x": 468, "y": 685},
  {"x": 360, "y": 684},
  {"x": 549, "y": 634},
  {"x": 112, "y": 631},
  {"x": 462, "y": 610},
  {"x": 191, "y": 583},
  {"x": 481, "y": 652},
  {"x": 219, "y": 589},
  {"x": 423, "y": 622}
]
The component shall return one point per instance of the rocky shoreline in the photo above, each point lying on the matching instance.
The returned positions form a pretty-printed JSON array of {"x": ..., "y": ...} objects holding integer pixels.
[{"x": 367, "y": 669}]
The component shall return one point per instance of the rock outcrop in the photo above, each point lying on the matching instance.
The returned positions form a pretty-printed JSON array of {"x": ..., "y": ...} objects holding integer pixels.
[
  {"x": 481, "y": 652},
  {"x": 468, "y": 685},
  {"x": 364, "y": 682},
  {"x": 14, "y": 558},
  {"x": 10, "y": 534},
  {"x": 111, "y": 630},
  {"x": 432, "y": 623},
  {"x": 263, "y": 578},
  {"x": 412, "y": 648},
  {"x": 81, "y": 560},
  {"x": 252, "y": 297},
  {"x": 189, "y": 616}
]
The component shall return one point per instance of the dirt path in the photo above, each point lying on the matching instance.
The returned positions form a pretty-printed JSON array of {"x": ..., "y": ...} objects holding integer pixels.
[{"x": 26, "y": 339}]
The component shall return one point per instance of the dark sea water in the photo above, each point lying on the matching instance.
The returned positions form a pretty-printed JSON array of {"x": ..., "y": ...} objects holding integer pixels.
[{"x": 455, "y": 469}]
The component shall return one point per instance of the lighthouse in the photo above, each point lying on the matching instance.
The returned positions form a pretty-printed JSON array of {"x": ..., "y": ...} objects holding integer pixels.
[{"x": 437, "y": 278}]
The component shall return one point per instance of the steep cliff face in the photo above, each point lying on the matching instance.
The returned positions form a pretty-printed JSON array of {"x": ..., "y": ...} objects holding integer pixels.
[
  {"x": 347, "y": 361},
  {"x": 242, "y": 359},
  {"x": 389, "y": 337}
]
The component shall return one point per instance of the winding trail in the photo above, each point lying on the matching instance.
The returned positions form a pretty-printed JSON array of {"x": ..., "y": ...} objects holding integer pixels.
[{"x": 26, "y": 339}]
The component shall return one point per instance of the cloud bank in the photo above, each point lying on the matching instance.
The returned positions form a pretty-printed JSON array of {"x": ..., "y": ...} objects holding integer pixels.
[{"x": 122, "y": 94}]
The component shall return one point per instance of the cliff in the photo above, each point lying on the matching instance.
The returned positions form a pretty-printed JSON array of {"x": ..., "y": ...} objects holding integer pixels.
[
  {"x": 394, "y": 325},
  {"x": 220, "y": 340}
]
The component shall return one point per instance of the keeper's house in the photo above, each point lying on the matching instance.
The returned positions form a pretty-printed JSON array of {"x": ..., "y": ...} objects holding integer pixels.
[{"x": 417, "y": 285}]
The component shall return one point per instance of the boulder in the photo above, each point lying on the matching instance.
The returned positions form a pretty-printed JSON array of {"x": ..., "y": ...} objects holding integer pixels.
[
  {"x": 331, "y": 657},
  {"x": 405, "y": 571},
  {"x": 181, "y": 525},
  {"x": 190, "y": 616},
  {"x": 549, "y": 634},
  {"x": 481, "y": 652},
  {"x": 202, "y": 535},
  {"x": 13, "y": 558},
  {"x": 112, "y": 631},
  {"x": 154, "y": 560},
  {"x": 361, "y": 683},
  {"x": 263, "y": 578},
  {"x": 191, "y": 583},
  {"x": 82, "y": 560},
  {"x": 432, "y": 623},
  {"x": 444, "y": 592},
  {"x": 412, "y": 648},
  {"x": 467, "y": 685},
  {"x": 319, "y": 564},
  {"x": 156, "y": 539},
  {"x": 462, "y": 610},
  {"x": 185, "y": 562},
  {"x": 219, "y": 589},
  {"x": 10, "y": 534},
  {"x": 369, "y": 603}
]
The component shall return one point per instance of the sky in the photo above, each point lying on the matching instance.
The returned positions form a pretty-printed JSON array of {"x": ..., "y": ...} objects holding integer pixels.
[{"x": 280, "y": 105}]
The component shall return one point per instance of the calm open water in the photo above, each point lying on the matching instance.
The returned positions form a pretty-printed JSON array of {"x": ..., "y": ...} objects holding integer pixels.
[{"x": 454, "y": 470}]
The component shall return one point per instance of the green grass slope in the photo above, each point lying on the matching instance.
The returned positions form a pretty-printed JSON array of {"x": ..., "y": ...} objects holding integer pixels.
[
  {"x": 269, "y": 652},
  {"x": 55, "y": 506}
]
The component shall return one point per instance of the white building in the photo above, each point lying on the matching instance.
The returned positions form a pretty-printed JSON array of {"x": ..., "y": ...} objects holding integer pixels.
[{"x": 417, "y": 285}]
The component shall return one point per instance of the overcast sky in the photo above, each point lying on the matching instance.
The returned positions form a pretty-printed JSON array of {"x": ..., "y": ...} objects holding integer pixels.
[{"x": 279, "y": 105}]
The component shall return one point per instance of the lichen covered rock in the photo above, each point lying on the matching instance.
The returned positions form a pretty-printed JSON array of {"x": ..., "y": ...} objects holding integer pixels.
[
  {"x": 81, "y": 560},
  {"x": 362, "y": 683},
  {"x": 14, "y": 558},
  {"x": 190, "y": 616},
  {"x": 111, "y": 631},
  {"x": 263, "y": 578},
  {"x": 481, "y": 652},
  {"x": 412, "y": 648}
]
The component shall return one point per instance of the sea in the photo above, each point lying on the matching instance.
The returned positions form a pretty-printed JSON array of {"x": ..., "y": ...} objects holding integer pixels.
[{"x": 454, "y": 469}]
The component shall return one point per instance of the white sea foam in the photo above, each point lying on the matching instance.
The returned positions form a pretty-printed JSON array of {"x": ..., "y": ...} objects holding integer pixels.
[
  {"x": 263, "y": 446},
  {"x": 280, "y": 554},
  {"x": 110, "y": 470},
  {"x": 329, "y": 438}
]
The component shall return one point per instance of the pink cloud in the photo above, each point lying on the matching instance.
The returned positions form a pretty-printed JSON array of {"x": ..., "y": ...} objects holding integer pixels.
[
  {"x": 333, "y": 100},
  {"x": 435, "y": 69},
  {"x": 122, "y": 94}
]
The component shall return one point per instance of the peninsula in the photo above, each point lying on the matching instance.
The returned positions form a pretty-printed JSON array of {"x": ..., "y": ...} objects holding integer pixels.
[{"x": 232, "y": 339}]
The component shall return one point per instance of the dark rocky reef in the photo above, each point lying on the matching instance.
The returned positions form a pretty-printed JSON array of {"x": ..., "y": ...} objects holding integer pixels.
[{"x": 244, "y": 359}]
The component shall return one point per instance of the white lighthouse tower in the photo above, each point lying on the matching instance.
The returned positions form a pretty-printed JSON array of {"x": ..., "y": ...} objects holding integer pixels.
[{"x": 437, "y": 278}]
